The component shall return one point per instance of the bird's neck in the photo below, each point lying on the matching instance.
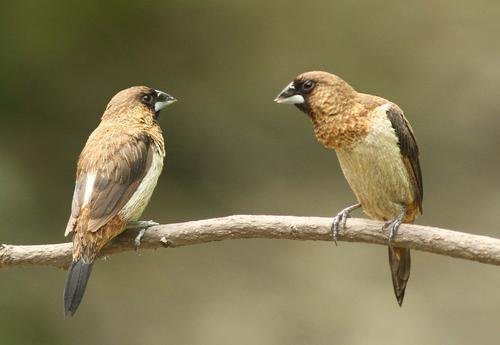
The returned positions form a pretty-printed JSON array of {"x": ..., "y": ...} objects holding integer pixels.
[
  {"x": 134, "y": 127},
  {"x": 153, "y": 129},
  {"x": 157, "y": 135}
]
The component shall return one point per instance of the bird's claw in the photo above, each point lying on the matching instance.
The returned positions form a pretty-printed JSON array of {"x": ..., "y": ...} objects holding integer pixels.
[
  {"x": 137, "y": 240},
  {"x": 150, "y": 223},
  {"x": 143, "y": 225},
  {"x": 339, "y": 221},
  {"x": 393, "y": 225}
]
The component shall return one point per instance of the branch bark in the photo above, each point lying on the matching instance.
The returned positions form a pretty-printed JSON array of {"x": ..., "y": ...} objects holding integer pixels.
[{"x": 428, "y": 239}]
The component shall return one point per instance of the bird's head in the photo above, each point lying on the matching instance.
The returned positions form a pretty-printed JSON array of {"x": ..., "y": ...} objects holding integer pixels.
[
  {"x": 317, "y": 93},
  {"x": 139, "y": 103}
]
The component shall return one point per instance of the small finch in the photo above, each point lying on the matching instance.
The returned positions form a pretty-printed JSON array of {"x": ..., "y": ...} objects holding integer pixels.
[
  {"x": 116, "y": 174},
  {"x": 377, "y": 152}
]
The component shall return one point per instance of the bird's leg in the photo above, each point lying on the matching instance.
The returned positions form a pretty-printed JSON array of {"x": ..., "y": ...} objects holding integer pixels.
[
  {"x": 394, "y": 224},
  {"x": 340, "y": 219},
  {"x": 143, "y": 226}
]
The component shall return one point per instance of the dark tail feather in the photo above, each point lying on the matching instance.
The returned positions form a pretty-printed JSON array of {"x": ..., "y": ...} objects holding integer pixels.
[
  {"x": 399, "y": 262},
  {"x": 78, "y": 275}
]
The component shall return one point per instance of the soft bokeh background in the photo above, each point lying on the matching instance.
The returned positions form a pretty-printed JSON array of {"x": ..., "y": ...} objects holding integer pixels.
[{"x": 232, "y": 150}]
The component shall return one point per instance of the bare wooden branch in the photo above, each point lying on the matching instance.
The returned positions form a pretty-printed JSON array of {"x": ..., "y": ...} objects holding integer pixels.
[{"x": 429, "y": 239}]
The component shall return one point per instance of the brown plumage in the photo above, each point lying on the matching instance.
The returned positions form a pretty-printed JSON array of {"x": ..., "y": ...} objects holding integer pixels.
[
  {"x": 376, "y": 149},
  {"x": 116, "y": 175}
]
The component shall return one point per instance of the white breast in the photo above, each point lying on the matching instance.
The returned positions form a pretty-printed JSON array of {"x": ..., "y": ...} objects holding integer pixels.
[
  {"x": 135, "y": 206},
  {"x": 375, "y": 170}
]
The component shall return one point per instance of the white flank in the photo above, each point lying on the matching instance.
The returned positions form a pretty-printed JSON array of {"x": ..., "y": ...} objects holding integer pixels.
[
  {"x": 135, "y": 206},
  {"x": 89, "y": 187}
]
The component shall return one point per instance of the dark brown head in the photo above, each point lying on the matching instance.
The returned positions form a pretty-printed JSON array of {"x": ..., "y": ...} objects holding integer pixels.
[
  {"x": 317, "y": 93},
  {"x": 141, "y": 103}
]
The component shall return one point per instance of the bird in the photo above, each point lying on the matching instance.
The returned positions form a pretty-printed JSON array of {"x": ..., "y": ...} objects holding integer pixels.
[
  {"x": 117, "y": 172},
  {"x": 377, "y": 151}
]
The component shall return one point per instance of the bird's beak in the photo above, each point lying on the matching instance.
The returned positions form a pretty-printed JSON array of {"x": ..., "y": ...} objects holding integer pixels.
[
  {"x": 163, "y": 100},
  {"x": 290, "y": 95}
]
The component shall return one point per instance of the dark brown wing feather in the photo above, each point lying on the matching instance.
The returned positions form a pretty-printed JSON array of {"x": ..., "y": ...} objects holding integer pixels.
[
  {"x": 409, "y": 150},
  {"x": 120, "y": 164}
]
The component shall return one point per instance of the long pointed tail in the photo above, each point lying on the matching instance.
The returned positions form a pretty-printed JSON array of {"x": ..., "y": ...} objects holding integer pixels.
[
  {"x": 78, "y": 275},
  {"x": 399, "y": 263}
]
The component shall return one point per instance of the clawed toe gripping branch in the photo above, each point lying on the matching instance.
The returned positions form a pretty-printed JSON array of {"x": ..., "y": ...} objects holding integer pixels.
[
  {"x": 424, "y": 238},
  {"x": 142, "y": 226},
  {"x": 340, "y": 220}
]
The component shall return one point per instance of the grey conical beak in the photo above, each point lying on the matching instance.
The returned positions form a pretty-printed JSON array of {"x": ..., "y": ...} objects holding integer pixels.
[
  {"x": 163, "y": 100},
  {"x": 289, "y": 95}
]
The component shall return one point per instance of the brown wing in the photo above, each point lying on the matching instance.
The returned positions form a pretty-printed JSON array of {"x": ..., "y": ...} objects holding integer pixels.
[
  {"x": 409, "y": 149},
  {"x": 119, "y": 165}
]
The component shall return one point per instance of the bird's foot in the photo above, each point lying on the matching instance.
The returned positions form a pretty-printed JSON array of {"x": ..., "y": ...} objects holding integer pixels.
[
  {"x": 340, "y": 220},
  {"x": 143, "y": 226},
  {"x": 393, "y": 225},
  {"x": 138, "y": 238}
]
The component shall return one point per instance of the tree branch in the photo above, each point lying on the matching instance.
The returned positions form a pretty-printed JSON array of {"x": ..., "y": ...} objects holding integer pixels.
[{"x": 429, "y": 239}]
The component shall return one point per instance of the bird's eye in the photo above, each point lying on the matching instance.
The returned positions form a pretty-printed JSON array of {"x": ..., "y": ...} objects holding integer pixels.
[
  {"x": 146, "y": 99},
  {"x": 307, "y": 86}
]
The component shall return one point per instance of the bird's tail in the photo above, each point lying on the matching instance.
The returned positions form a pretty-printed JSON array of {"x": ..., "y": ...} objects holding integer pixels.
[
  {"x": 78, "y": 275},
  {"x": 399, "y": 262}
]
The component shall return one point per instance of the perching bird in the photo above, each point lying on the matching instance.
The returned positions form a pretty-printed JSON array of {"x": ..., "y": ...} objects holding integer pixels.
[
  {"x": 377, "y": 151},
  {"x": 116, "y": 174}
]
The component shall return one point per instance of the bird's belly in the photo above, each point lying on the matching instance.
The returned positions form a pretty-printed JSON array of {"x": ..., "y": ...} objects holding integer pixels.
[
  {"x": 377, "y": 174},
  {"x": 135, "y": 206}
]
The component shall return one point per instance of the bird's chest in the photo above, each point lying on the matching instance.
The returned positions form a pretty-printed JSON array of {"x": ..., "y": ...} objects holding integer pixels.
[
  {"x": 376, "y": 172},
  {"x": 341, "y": 130},
  {"x": 135, "y": 206}
]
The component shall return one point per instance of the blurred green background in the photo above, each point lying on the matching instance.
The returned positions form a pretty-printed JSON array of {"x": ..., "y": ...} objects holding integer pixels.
[{"x": 232, "y": 150}]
